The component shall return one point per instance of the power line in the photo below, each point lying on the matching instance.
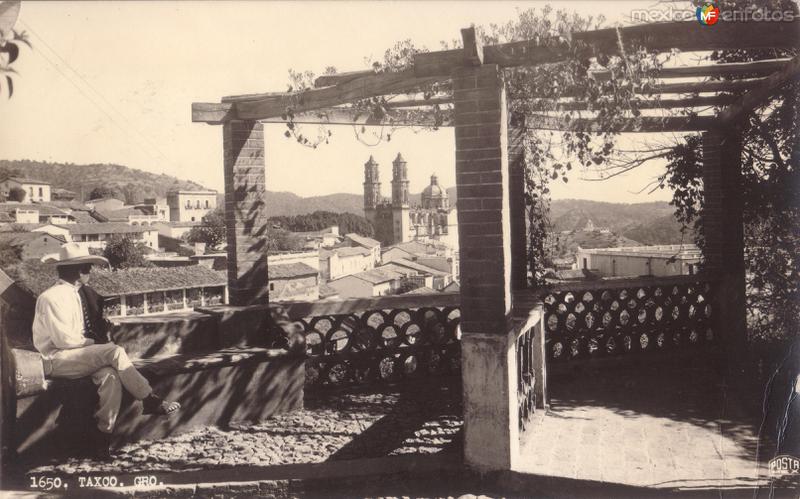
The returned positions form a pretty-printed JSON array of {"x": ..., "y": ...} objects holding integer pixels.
[{"x": 148, "y": 143}]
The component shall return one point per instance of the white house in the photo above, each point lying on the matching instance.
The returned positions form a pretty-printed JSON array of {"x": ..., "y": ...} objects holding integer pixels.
[
  {"x": 190, "y": 206},
  {"x": 375, "y": 282},
  {"x": 664, "y": 260},
  {"x": 96, "y": 235},
  {"x": 35, "y": 190},
  {"x": 339, "y": 262}
]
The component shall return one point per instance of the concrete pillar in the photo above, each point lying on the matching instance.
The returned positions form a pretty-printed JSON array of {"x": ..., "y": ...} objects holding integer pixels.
[
  {"x": 245, "y": 212},
  {"x": 724, "y": 236},
  {"x": 491, "y": 439}
]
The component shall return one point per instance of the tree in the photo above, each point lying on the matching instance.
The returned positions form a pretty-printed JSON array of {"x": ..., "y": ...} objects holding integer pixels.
[
  {"x": 103, "y": 192},
  {"x": 133, "y": 194},
  {"x": 123, "y": 252},
  {"x": 16, "y": 194},
  {"x": 10, "y": 255},
  {"x": 319, "y": 220},
  {"x": 211, "y": 231}
]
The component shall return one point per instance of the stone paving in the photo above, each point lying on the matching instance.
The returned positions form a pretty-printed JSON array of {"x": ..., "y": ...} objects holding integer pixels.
[
  {"x": 385, "y": 421},
  {"x": 656, "y": 426}
]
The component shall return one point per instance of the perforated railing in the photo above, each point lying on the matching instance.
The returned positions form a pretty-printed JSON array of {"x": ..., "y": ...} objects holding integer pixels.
[
  {"x": 381, "y": 339},
  {"x": 626, "y": 316},
  {"x": 531, "y": 393}
]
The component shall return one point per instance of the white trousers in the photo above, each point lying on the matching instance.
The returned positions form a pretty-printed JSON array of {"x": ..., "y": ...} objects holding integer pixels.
[{"x": 110, "y": 369}]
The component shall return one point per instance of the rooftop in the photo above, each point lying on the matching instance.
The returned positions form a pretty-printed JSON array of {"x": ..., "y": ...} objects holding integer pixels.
[
  {"x": 366, "y": 242},
  {"x": 19, "y": 238},
  {"x": 290, "y": 270},
  {"x": 23, "y": 180},
  {"x": 375, "y": 276},
  {"x": 43, "y": 209},
  {"x": 403, "y": 262},
  {"x": 147, "y": 279},
  {"x": 104, "y": 228},
  {"x": 677, "y": 251}
]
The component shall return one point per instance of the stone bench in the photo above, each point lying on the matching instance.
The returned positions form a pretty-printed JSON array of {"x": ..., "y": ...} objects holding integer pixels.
[{"x": 186, "y": 358}]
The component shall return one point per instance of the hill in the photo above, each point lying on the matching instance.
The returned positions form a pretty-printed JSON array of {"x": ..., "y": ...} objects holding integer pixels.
[
  {"x": 647, "y": 223},
  {"x": 84, "y": 178}
]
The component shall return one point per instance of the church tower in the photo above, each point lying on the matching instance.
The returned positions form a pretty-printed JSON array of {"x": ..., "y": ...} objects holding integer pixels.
[
  {"x": 372, "y": 185},
  {"x": 401, "y": 211},
  {"x": 399, "y": 182}
]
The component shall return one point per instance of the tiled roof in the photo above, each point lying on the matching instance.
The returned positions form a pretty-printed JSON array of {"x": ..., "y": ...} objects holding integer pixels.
[
  {"x": 424, "y": 290},
  {"x": 83, "y": 217},
  {"x": 326, "y": 291},
  {"x": 19, "y": 238},
  {"x": 453, "y": 286},
  {"x": 439, "y": 263},
  {"x": 366, "y": 242},
  {"x": 43, "y": 209},
  {"x": 351, "y": 251},
  {"x": 23, "y": 180},
  {"x": 140, "y": 280},
  {"x": 290, "y": 270},
  {"x": 377, "y": 276},
  {"x": 20, "y": 227},
  {"x": 121, "y": 214},
  {"x": 105, "y": 228},
  {"x": 418, "y": 267}
]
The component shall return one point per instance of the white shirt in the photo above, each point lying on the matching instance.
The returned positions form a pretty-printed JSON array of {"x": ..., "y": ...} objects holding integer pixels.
[{"x": 58, "y": 323}]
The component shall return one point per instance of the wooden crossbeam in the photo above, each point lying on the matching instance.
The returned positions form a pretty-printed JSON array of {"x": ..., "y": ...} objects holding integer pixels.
[
  {"x": 734, "y": 113},
  {"x": 690, "y": 36},
  {"x": 693, "y": 87},
  {"x": 215, "y": 113},
  {"x": 700, "y": 101},
  {"x": 644, "y": 124},
  {"x": 728, "y": 69}
]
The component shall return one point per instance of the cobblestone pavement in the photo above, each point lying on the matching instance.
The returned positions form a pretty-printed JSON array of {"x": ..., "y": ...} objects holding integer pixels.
[
  {"x": 657, "y": 426},
  {"x": 385, "y": 421}
]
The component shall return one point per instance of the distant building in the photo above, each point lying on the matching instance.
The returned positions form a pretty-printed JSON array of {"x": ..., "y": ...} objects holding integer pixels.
[
  {"x": 365, "y": 242},
  {"x": 190, "y": 206},
  {"x": 62, "y": 195},
  {"x": 96, "y": 235},
  {"x": 104, "y": 205},
  {"x": 35, "y": 190},
  {"x": 665, "y": 260},
  {"x": 339, "y": 262},
  {"x": 308, "y": 257},
  {"x": 32, "y": 245},
  {"x": 35, "y": 213},
  {"x": 293, "y": 281},
  {"x": 396, "y": 220},
  {"x": 139, "y": 291},
  {"x": 316, "y": 239},
  {"x": 375, "y": 282}
]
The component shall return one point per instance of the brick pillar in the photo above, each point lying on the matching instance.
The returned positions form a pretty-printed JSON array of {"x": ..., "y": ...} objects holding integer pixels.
[
  {"x": 245, "y": 212},
  {"x": 491, "y": 435},
  {"x": 724, "y": 236},
  {"x": 519, "y": 231}
]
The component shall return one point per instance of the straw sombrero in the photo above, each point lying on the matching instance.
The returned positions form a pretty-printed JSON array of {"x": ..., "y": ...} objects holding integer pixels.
[{"x": 74, "y": 254}]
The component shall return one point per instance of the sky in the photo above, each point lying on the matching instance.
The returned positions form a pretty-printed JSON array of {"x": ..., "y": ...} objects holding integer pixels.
[{"x": 113, "y": 82}]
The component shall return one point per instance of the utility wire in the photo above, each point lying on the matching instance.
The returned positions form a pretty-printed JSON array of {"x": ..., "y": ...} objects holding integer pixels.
[{"x": 147, "y": 142}]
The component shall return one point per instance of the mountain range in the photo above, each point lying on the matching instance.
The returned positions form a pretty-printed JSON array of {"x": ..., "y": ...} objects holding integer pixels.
[{"x": 646, "y": 223}]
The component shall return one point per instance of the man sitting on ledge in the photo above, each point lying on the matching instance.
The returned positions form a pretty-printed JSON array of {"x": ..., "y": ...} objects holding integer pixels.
[{"x": 60, "y": 329}]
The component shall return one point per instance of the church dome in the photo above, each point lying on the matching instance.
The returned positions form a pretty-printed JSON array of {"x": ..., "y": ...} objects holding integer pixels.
[{"x": 434, "y": 190}]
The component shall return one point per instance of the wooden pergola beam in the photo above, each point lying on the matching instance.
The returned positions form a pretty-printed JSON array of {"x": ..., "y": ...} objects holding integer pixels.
[
  {"x": 643, "y": 124},
  {"x": 700, "y": 101},
  {"x": 733, "y": 114},
  {"x": 687, "y": 36},
  {"x": 765, "y": 67},
  {"x": 215, "y": 113}
]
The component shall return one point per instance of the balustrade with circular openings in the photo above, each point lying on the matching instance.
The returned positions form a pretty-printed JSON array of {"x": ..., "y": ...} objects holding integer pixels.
[
  {"x": 382, "y": 346},
  {"x": 636, "y": 319}
]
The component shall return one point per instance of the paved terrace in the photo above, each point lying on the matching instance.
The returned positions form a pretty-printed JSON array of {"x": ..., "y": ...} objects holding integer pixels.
[{"x": 643, "y": 426}]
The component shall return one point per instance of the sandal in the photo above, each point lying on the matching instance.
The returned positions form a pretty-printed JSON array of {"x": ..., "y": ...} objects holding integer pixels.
[{"x": 155, "y": 405}]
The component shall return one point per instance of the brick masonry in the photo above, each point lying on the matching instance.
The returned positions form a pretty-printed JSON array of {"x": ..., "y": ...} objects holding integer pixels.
[
  {"x": 482, "y": 180},
  {"x": 724, "y": 231},
  {"x": 245, "y": 212}
]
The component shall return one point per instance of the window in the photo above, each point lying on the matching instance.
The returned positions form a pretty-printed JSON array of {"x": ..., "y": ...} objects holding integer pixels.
[
  {"x": 93, "y": 237},
  {"x": 41, "y": 194},
  {"x": 192, "y": 219},
  {"x": 197, "y": 204},
  {"x": 188, "y": 204},
  {"x": 207, "y": 204},
  {"x": 585, "y": 264},
  {"x": 31, "y": 190},
  {"x": 272, "y": 286}
]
